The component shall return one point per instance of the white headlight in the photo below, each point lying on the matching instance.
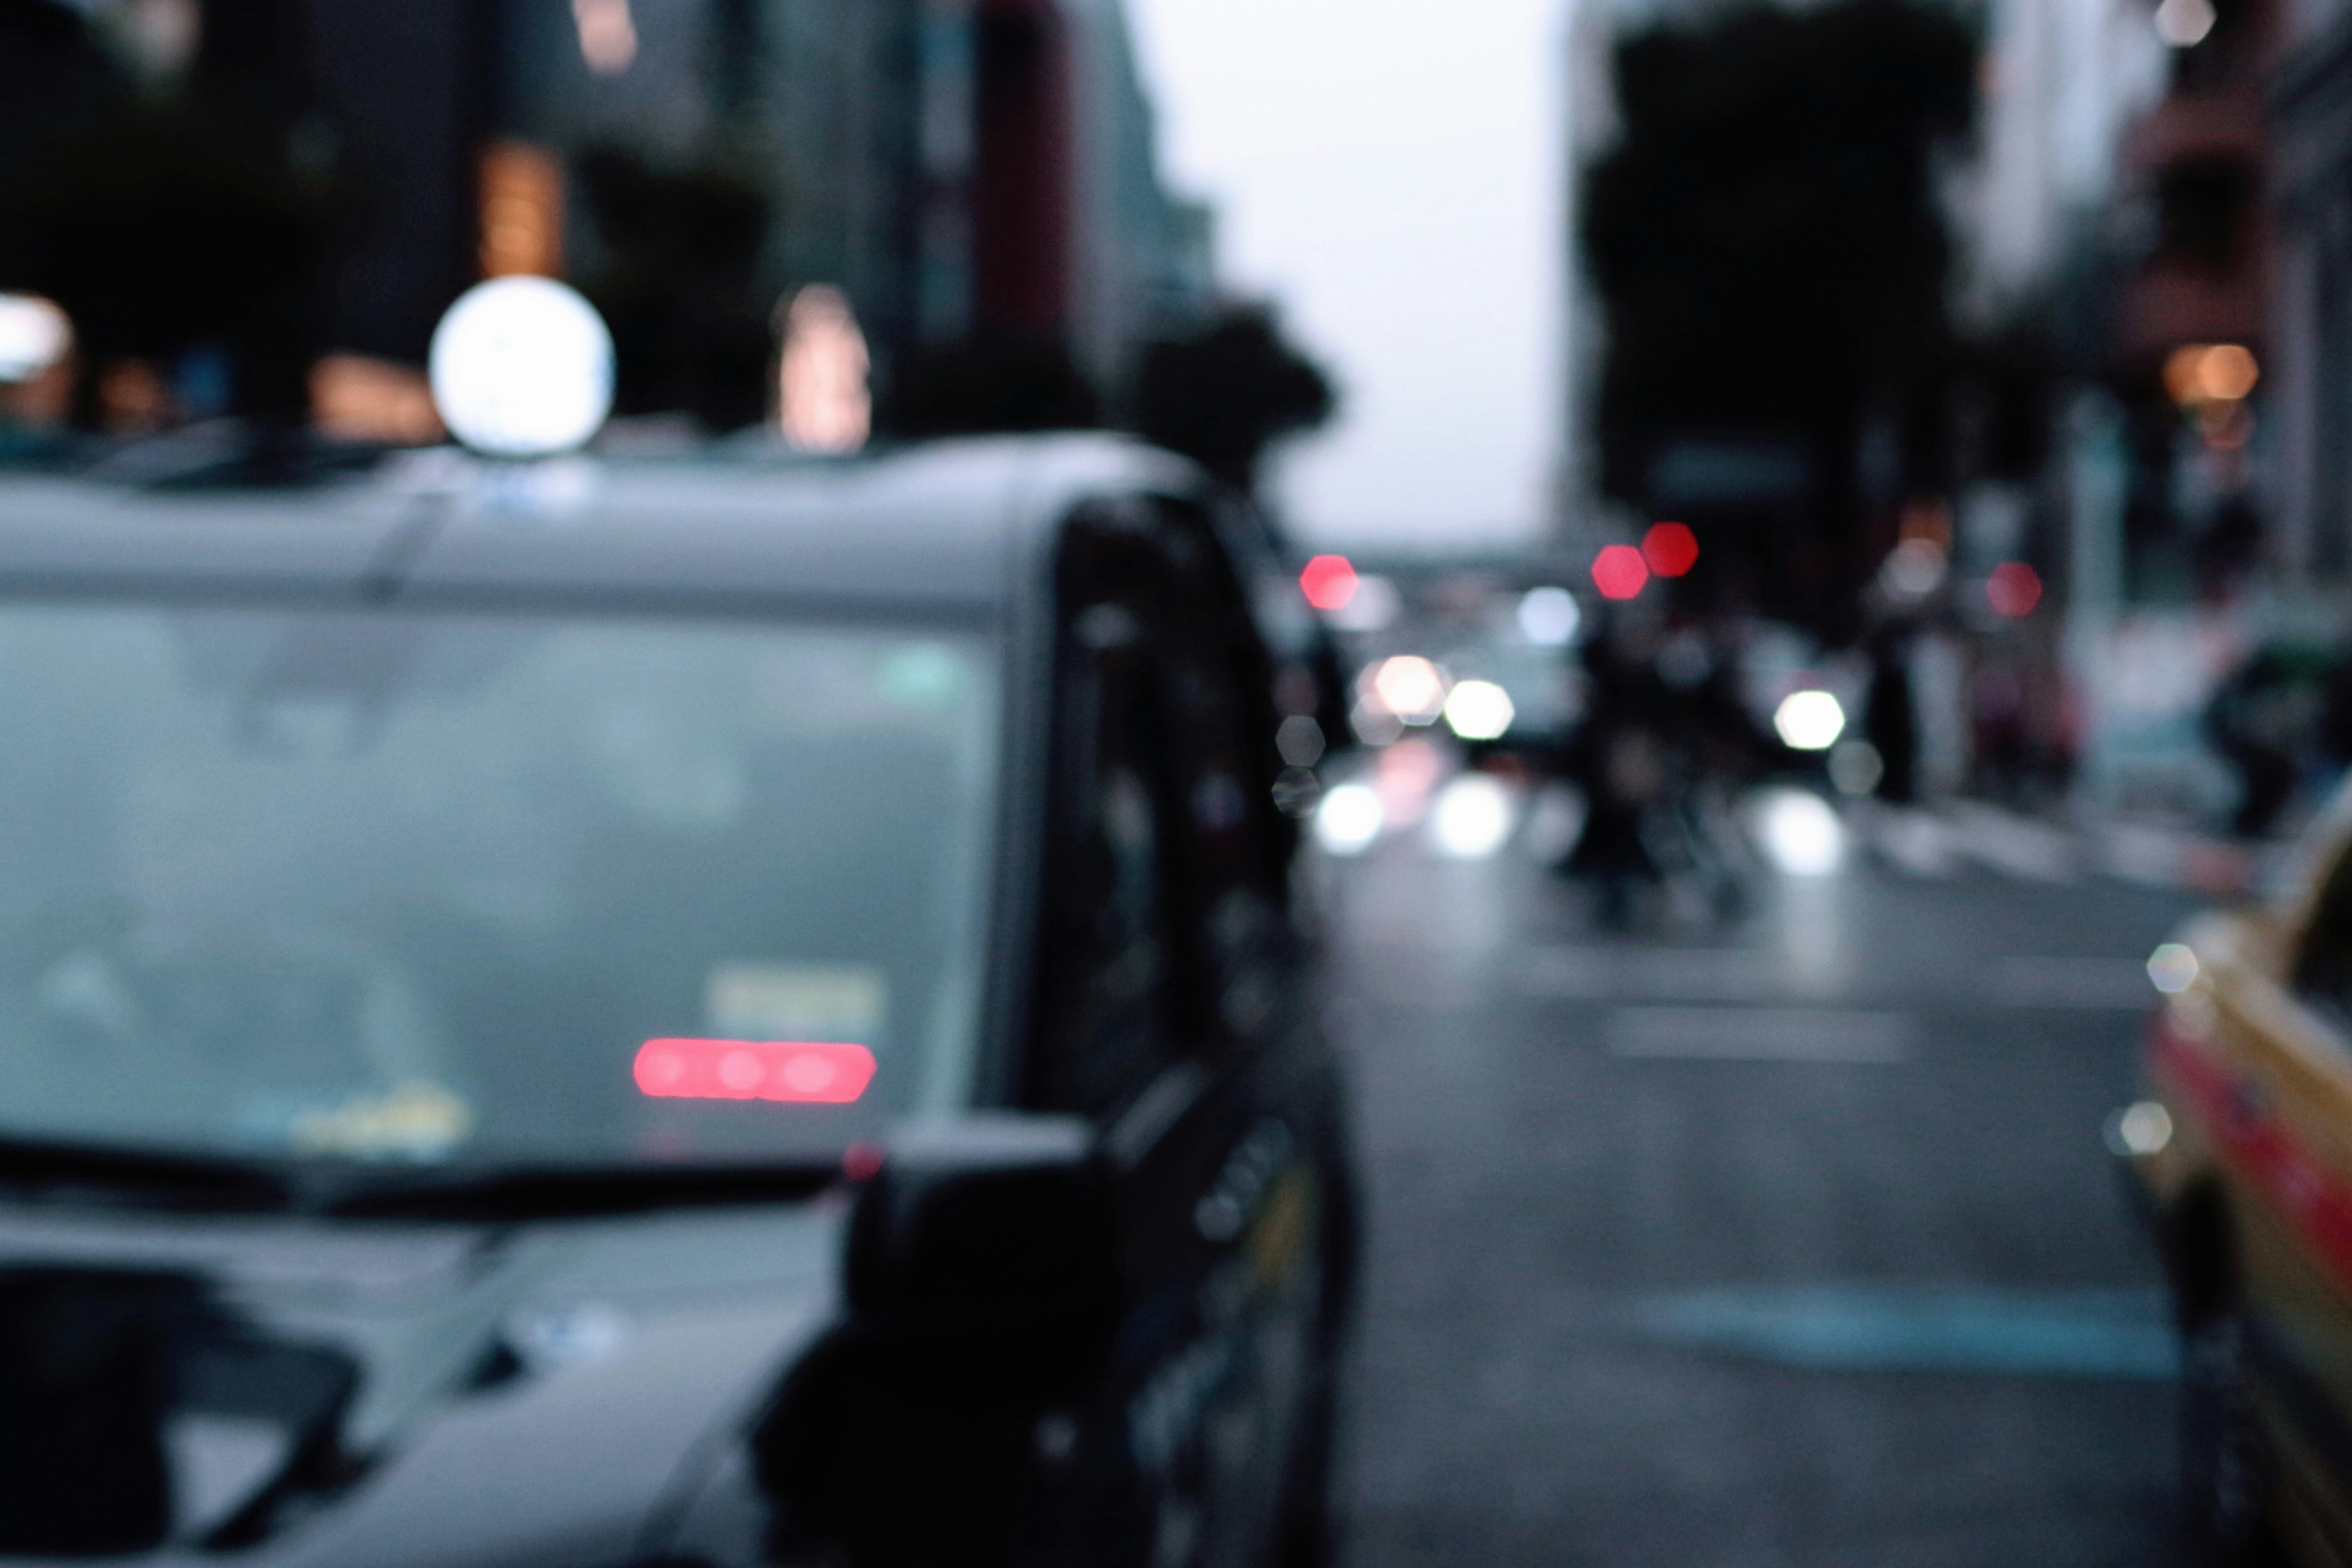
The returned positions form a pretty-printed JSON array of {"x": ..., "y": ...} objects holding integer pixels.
[
  {"x": 1479, "y": 710},
  {"x": 33, "y": 335},
  {"x": 1810, "y": 720},
  {"x": 1349, "y": 820},
  {"x": 522, "y": 367}
]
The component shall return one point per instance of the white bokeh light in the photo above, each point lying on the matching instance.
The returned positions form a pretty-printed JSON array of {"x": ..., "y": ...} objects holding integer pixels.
[
  {"x": 2172, "y": 968},
  {"x": 1473, "y": 817},
  {"x": 1799, "y": 833},
  {"x": 33, "y": 335},
  {"x": 1810, "y": 720},
  {"x": 1349, "y": 820},
  {"x": 522, "y": 367},
  {"x": 1550, "y": 616},
  {"x": 1479, "y": 710}
]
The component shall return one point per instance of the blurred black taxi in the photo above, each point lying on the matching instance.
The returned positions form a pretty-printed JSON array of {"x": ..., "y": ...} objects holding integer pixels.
[
  {"x": 695, "y": 1011},
  {"x": 2244, "y": 1153}
]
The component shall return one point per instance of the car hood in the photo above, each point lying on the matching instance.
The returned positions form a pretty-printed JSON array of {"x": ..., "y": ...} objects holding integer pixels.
[{"x": 369, "y": 1394}]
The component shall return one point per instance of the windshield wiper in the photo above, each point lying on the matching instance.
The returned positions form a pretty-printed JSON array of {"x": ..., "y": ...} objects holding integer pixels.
[
  {"x": 144, "y": 1178},
  {"x": 135, "y": 1178},
  {"x": 515, "y": 1192}
]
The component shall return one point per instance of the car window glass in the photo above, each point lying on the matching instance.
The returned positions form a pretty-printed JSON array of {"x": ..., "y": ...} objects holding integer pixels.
[
  {"x": 1109, "y": 956},
  {"x": 426, "y": 886}
]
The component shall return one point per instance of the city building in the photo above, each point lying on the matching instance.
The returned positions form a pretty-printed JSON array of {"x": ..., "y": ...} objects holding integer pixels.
[
  {"x": 2309, "y": 375},
  {"x": 955, "y": 167}
]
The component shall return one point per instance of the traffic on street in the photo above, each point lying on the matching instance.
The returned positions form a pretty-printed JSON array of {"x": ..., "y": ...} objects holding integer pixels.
[{"x": 1175, "y": 784}]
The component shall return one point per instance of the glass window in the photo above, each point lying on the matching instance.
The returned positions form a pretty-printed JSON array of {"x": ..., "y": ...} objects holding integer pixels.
[
  {"x": 424, "y": 887},
  {"x": 1111, "y": 958}
]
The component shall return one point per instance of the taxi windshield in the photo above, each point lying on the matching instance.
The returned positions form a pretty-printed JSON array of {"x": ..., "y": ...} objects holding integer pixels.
[{"x": 415, "y": 887}]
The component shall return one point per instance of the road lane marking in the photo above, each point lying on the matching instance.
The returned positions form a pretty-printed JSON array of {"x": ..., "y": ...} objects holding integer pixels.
[
  {"x": 1757, "y": 1034},
  {"x": 1691, "y": 973},
  {"x": 2118, "y": 984},
  {"x": 2121, "y": 1334}
]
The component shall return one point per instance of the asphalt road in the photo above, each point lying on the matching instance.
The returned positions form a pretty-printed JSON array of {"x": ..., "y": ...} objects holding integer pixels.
[{"x": 1792, "y": 1243}]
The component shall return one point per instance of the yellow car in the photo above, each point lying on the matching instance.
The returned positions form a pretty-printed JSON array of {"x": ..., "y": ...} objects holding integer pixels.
[{"x": 2245, "y": 1152}]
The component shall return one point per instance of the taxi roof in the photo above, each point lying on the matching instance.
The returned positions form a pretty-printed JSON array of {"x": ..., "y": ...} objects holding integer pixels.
[{"x": 957, "y": 529}]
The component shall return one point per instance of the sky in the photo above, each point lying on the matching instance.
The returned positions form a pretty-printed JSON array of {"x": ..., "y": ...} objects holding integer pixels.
[{"x": 1387, "y": 172}]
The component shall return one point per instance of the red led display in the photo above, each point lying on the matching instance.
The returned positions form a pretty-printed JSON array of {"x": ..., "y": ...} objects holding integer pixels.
[{"x": 792, "y": 1072}]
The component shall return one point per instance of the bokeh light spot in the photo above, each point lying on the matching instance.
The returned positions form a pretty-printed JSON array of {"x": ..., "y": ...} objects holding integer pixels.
[
  {"x": 1349, "y": 819},
  {"x": 1479, "y": 710},
  {"x": 1329, "y": 582},
  {"x": 1472, "y": 818},
  {"x": 1620, "y": 573},
  {"x": 1799, "y": 833},
  {"x": 1810, "y": 720},
  {"x": 2172, "y": 968},
  {"x": 1549, "y": 617},
  {"x": 2013, "y": 589},
  {"x": 1670, "y": 549}
]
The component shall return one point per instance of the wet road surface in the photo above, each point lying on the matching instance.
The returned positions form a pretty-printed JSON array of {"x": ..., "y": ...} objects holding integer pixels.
[{"x": 1789, "y": 1243}]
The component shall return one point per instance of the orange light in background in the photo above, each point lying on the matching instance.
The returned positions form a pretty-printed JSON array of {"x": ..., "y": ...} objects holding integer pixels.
[
  {"x": 822, "y": 386},
  {"x": 1670, "y": 549},
  {"x": 1620, "y": 573},
  {"x": 1329, "y": 582},
  {"x": 133, "y": 399},
  {"x": 2013, "y": 589},
  {"x": 608, "y": 35},
  {"x": 355, "y": 398},
  {"x": 2199, "y": 374},
  {"x": 521, "y": 211},
  {"x": 1410, "y": 687}
]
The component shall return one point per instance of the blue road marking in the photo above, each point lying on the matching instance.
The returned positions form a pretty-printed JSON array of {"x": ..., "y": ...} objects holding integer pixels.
[{"x": 2119, "y": 1334}]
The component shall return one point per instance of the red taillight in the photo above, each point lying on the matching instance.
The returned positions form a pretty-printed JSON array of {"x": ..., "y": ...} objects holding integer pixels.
[
  {"x": 792, "y": 1072},
  {"x": 1329, "y": 582},
  {"x": 1670, "y": 550},
  {"x": 1620, "y": 573}
]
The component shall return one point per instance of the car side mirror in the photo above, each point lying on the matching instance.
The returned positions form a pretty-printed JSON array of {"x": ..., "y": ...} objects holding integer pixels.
[
  {"x": 993, "y": 1223},
  {"x": 982, "y": 1288}
]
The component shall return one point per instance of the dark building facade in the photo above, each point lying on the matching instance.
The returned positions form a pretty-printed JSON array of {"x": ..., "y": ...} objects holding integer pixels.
[{"x": 956, "y": 167}]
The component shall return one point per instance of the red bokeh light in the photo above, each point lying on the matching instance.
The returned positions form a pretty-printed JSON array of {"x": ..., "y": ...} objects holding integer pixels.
[
  {"x": 2015, "y": 588},
  {"x": 1329, "y": 582},
  {"x": 792, "y": 1072},
  {"x": 1671, "y": 548},
  {"x": 1620, "y": 573},
  {"x": 862, "y": 1161}
]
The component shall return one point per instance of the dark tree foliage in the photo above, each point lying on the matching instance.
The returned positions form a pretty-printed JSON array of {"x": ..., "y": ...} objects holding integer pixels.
[
  {"x": 987, "y": 383},
  {"x": 1768, "y": 243},
  {"x": 197, "y": 220},
  {"x": 675, "y": 284},
  {"x": 174, "y": 230},
  {"x": 1224, "y": 395}
]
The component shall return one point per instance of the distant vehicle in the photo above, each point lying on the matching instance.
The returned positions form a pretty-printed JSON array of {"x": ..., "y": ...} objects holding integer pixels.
[
  {"x": 2244, "y": 1153},
  {"x": 716, "y": 1012}
]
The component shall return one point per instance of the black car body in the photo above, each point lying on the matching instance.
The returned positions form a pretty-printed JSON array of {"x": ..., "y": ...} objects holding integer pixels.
[{"x": 363, "y": 835}]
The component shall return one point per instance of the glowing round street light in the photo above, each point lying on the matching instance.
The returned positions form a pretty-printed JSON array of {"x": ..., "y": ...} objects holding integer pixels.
[{"x": 522, "y": 367}]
